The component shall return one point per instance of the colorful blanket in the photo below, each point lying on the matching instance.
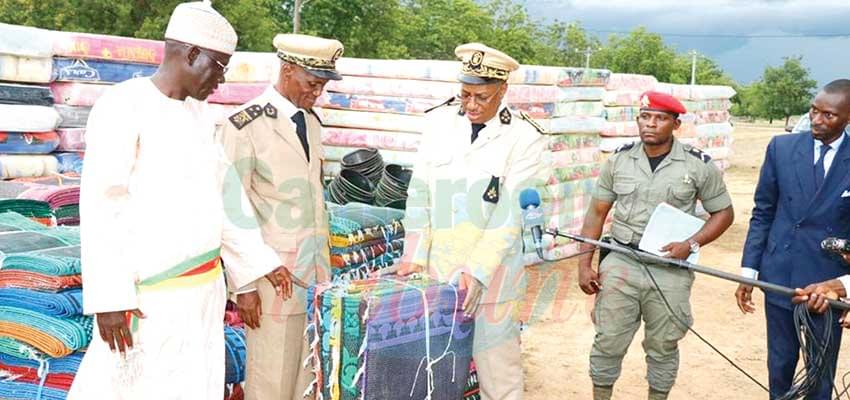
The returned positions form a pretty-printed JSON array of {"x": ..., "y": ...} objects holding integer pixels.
[
  {"x": 78, "y": 70},
  {"x": 28, "y": 142},
  {"x": 56, "y": 196},
  {"x": 25, "y": 95},
  {"x": 56, "y": 337},
  {"x": 60, "y": 305}
]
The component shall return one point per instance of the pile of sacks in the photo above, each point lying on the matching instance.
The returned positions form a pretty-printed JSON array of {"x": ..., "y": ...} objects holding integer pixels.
[{"x": 42, "y": 330}]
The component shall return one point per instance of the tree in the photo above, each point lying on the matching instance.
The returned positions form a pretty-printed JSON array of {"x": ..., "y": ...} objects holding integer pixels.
[
  {"x": 749, "y": 102},
  {"x": 565, "y": 43},
  {"x": 787, "y": 90},
  {"x": 640, "y": 52}
]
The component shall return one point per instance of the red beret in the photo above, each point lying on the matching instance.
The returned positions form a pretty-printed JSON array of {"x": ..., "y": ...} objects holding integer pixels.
[{"x": 657, "y": 101}]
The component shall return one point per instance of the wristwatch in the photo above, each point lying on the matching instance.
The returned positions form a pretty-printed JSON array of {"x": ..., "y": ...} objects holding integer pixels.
[{"x": 694, "y": 245}]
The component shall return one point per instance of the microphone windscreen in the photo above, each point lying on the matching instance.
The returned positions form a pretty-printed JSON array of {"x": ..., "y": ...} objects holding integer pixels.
[{"x": 529, "y": 197}]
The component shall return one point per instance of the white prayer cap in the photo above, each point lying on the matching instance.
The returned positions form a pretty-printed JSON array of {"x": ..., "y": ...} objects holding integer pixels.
[{"x": 197, "y": 23}]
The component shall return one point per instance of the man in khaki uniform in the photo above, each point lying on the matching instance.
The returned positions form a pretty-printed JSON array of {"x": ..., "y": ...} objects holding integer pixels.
[
  {"x": 275, "y": 144},
  {"x": 463, "y": 216},
  {"x": 634, "y": 181}
]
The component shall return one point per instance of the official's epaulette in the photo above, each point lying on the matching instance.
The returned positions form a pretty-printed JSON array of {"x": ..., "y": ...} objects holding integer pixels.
[
  {"x": 448, "y": 102},
  {"x": 698, "y": 153},
  {"x": 505, "y": 116},
  {"x": 624, "y": 147},
  {"x": 247, "y": 115},
  {"x": 531, "y": 121},
  {"x": 315, "y": 114}
]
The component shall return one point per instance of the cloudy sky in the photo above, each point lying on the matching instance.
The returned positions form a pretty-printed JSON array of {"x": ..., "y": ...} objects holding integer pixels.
[{"x": 726, "y": 30}]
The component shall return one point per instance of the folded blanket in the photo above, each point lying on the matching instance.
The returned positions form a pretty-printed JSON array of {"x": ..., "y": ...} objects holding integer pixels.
[
  {"x": 40, "y": 282},
  {"x": 26, "y": 207},
  {"x": 70, "y": 162},
  {"x": 25, "y": 95},
  {"x": 42, "y": 264},
  {"x": 53, "y": 336},
  {"x": 60, "y": 305},
  {"x": 63, "y": 365},
  {"x": 10, "y": 390},
  {"x": 56, "y": 196},
  {"x": 73, "y": 117},
  {"x": 28, "y": 142},
  {"x": 234, "y": 356},
  {"x": 71, "y": 139},
  {"x": 30, "y": 375}
]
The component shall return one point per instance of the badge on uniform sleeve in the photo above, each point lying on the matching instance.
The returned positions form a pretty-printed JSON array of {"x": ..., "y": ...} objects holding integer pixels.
[{"x": 492, "y": 193}]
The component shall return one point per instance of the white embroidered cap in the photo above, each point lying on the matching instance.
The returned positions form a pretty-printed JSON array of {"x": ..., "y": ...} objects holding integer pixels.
[{"x": 197, "y": 23}]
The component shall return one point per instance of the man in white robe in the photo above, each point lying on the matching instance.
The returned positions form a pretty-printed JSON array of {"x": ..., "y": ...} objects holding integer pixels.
[{"x": 155, "y": 227}]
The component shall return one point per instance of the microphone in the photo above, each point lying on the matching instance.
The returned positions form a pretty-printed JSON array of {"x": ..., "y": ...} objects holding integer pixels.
[
  {"x": 532, "y": 217},
  {"x": 836, "y": 245}
]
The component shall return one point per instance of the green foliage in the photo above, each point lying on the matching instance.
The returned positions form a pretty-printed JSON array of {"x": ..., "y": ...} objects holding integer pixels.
[{"x": 782, "y": 92}]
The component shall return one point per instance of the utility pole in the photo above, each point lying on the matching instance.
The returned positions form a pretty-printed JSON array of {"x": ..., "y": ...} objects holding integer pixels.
[
  {"x": 587, "y": 53},
  {"x": 693, "y": 67},
  {"x": 296, "y": 15}
]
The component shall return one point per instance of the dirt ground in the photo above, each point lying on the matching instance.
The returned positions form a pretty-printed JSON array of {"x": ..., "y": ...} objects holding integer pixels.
[{"x": 556, "y": 346}]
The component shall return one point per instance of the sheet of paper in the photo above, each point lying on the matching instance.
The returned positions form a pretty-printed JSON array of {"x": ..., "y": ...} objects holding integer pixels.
[{"x": 669, "y": 224}]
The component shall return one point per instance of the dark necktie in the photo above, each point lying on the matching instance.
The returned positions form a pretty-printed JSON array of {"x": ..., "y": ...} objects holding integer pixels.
[
  {"x": 820, "y": 171},
  {"x": 475, "y": 129},
  {"x": 301, "y": 130}
]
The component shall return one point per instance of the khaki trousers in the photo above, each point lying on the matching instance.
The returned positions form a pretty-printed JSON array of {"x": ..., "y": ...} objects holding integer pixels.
[
  {"x": 497, "y": 351},
  {"x": 275, "y": 355}
]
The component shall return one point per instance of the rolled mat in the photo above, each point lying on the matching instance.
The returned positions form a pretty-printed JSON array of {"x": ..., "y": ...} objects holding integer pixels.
[
  {"x": 77, "y": 70},
  {"x": 53, "y": 336},
  {"x": 115, "y": 48},
  {"x": 71, "y": 139},
  {"x": 28, "y": 142},
  {"x": 42, "y": 264},
  {"x": 23, "y": 118},
  {"x": 73, "y": 117},
  {"x": 77, "y": 93},
  {"x": 60, "y": 305},
  {"x": 40, "y": 282},
  {"x": 25, "y": 69},
  {"x": 234, "y": 354},
  {"x": 25, "y": 95},
  {"x": 11, "y": 390}
]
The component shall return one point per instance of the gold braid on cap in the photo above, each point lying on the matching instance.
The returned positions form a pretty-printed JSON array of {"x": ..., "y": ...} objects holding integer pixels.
[
  {"x": 309, "y": 62},
  {"x": 484, "y": 71}
]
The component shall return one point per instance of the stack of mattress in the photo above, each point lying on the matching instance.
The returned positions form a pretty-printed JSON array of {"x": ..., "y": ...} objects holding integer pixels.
[
  {"x": 708, "y": 107},
  {"x": 42, "y": 329},
  {"x": 27, "y": 119},
  {"x": 84, "y": 66},
  {"x": 622, "y": 103},
  {"x": 363, "y": 239},
  {"x": 389, "y": 339}
]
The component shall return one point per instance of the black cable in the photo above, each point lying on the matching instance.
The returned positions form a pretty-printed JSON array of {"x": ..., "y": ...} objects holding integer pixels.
[{"x": 690, "y": 329}]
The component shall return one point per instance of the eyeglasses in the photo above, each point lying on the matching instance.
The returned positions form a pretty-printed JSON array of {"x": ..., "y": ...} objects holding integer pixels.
[
  {"x": 222, "y": 67},
  {"x": 480, "y": 99}
]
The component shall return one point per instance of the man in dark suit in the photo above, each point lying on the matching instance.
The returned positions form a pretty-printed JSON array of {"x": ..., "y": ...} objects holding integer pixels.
[{"x": 802, "y": 197}]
